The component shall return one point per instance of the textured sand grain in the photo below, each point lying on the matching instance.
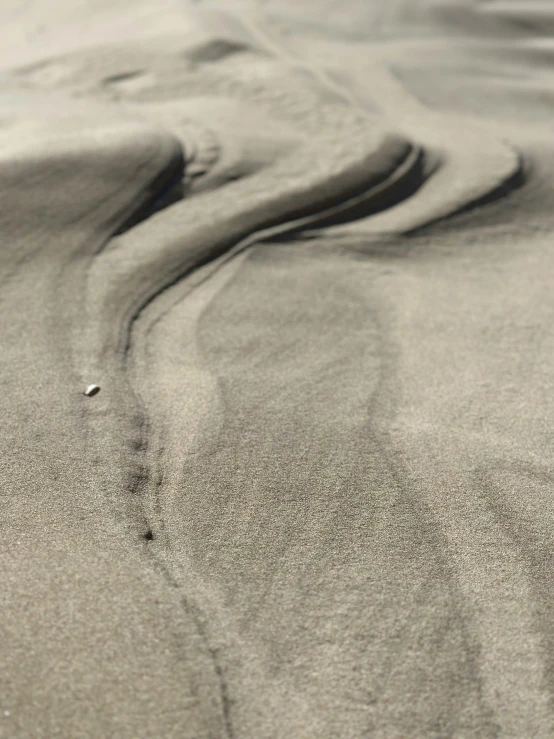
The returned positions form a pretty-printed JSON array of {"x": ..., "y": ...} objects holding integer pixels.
[{"x": 305, "y": 251}]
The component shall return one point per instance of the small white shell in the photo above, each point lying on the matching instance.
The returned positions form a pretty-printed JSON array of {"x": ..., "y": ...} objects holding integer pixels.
[{"x": 92, "y": 390}]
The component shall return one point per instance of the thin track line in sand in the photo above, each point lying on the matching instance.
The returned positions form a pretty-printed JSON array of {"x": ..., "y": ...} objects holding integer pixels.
[
  {"x": 510, "y": 646},
  {"x": 402, "y": 174},
  {"x": 471, "y": 566}
]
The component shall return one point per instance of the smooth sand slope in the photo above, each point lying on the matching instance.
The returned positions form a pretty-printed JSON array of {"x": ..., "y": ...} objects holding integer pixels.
[{"x": 305, "y": 250}]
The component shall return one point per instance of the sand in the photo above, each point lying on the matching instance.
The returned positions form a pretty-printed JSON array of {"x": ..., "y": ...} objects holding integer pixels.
[{"x": 304, "y": 250}]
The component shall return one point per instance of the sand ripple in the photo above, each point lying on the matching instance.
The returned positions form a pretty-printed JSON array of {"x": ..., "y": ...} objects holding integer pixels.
[{"x": 312, "y": 496}]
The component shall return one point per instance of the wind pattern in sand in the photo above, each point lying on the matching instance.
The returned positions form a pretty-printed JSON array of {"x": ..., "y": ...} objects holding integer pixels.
[{"x": 305, "y": 250}]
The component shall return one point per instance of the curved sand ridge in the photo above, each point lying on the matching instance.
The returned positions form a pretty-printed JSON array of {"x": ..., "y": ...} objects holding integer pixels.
[
  {"x": 287, "y": 190},
  {"x": 471, "y": 163},
  {"x": 94, "y": 174},
  {"x": 276, "y": 517}
]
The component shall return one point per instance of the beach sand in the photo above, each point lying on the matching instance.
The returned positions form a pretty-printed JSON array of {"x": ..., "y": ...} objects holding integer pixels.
[{"x": 304, "y": 250}]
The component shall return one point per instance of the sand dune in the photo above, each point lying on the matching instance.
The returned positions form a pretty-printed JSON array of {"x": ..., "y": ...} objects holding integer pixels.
[{"x": 304, "y": 250}]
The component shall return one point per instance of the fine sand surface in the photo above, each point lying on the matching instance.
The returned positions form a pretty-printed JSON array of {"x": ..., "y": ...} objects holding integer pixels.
[{"x": 305, "y": 248}]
